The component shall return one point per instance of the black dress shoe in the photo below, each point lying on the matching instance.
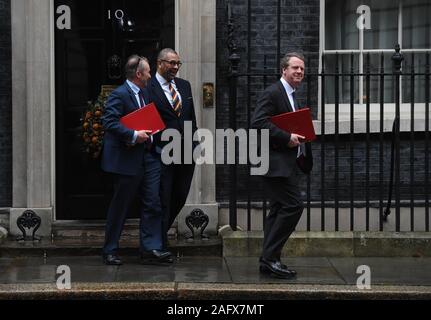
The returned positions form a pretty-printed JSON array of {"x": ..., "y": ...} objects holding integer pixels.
[
  {"x": 112, "y": 260},
  {"x": 274, "y": 268},
  {"x": 265, "y": 270},
  {"x": 156, "y": 256},
  {"x": 170, "y": 258},
  {"x": 281, "y": 264}
]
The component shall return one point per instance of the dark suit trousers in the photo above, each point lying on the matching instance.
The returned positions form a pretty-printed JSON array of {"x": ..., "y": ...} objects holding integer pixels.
[
  {"x": 285, "y": 211},
  {"x": 146, "y": 185},
  {"x": 175, "y": 185}
]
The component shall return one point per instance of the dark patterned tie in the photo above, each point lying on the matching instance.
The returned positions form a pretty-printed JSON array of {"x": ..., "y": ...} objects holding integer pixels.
[
  {"x": 301, "y": 145},
  {"x": 141, "y": 99},
  {"x": 175, "y": 99}
]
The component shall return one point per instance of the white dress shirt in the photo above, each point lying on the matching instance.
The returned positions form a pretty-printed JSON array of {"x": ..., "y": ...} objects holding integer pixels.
[
  {"x": 290, "y": 91},
  {"x": 136, "y": 90},
  {"x": 165, "y": 87}
]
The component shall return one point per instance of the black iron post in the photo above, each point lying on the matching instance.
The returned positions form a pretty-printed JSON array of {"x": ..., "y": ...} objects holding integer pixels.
[
  {"x": 336, "y": 137},
  {"x": 322, "y": 148},
  {"x": 397, "y": 59},
  {"x": 382, "y": 99},
  {"x": 234, "y": 59},
  {"x": 427, "y": 139},
  {"x": 367, "y": 142}
]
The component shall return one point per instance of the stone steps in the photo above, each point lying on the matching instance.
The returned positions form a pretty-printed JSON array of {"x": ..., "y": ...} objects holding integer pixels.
[
  {"x": 86, "y": 246},
  {"x": 332, "y": 244},
  {"x": 86, "y": 238}
]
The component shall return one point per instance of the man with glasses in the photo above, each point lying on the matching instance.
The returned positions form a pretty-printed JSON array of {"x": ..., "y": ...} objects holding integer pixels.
[
  {"x": 128, "y": 155},
  {"x": 174, "y": 101}
]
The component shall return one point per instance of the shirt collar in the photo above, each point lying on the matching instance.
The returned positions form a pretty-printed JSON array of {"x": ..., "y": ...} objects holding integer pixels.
[
  {"x": 161, "y": 80},
  {"x": 133, "y": 86},
  {"x": 287, "y": 86}
]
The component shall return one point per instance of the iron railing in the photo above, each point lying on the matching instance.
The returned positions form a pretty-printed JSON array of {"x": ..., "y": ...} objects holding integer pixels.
[{"x": 344, "y": 191}]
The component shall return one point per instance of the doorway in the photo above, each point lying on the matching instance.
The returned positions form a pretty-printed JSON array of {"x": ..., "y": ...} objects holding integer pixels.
[{"x": 89, "y": 60}]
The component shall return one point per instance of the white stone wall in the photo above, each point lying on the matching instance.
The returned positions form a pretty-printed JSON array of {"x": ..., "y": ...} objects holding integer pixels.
[
  {"x": 343, "y": 222},
  {"x": 196, "y": 45}
]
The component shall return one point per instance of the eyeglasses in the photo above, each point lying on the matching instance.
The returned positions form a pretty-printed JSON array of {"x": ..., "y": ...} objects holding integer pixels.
[{"x": 173, "y": 63}]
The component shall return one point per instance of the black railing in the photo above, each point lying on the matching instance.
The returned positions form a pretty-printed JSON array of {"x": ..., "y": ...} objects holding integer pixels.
[
  {"x": 233, "y": 79},
  {"x": 363, "y": 171}
]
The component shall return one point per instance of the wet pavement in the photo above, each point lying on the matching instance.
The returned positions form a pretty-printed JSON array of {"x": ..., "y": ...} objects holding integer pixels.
[{"x": 211, "y": 276}]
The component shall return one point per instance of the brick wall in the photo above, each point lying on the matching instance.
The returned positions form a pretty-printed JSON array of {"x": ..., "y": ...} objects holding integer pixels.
[
  {"x": 344, "y": 162},
  {"x": 299, "y": 29},
  {"x": 5, "y": 106},
  {"x": 299, "y": 32}
]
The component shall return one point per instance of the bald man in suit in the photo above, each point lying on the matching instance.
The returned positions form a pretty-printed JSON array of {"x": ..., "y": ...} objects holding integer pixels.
[{"x": 135, "y": 164}]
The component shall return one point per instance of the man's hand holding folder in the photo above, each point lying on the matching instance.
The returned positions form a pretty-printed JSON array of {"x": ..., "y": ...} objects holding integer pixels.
[
  {"x": 144, "y": 120},
  {"x": 142, "y": 135},
  {"x": 298, "y": 123},
  {"x": 295, "y": 140}
]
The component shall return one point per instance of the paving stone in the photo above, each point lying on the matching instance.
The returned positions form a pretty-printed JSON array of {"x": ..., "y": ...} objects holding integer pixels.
[
  {"x": 193, "y": 269},
  {"x": 205, "y": 269},
  {"x": 212, "y": 278},
  {"x": 99, "y": 274},
  {"x": 28, "y": 274},
  {"x": 246, "y": 270},
  {"x": 395, "y": 271},
  {"x": 145, "y": 273}
]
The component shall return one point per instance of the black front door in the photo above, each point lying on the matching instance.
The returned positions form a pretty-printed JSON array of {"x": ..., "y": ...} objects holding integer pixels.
[{"x": 90, "y": 51}]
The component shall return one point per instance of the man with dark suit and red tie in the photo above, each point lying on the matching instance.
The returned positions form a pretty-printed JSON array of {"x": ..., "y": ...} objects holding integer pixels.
[
  {"x": 286, "y": 158},
  {"x": 174, "y": 101},
  {"x": 132, "y": 159}
]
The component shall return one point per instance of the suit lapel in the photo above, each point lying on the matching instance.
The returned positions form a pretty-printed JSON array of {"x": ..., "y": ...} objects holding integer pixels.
[
  {"x": 283, "y": 93},
  {"x": 298, "y": 106},
  {"x": 146, "y": 96},
  {"x": 182, "y": 92},
  {"x": 131, "y": 96}
]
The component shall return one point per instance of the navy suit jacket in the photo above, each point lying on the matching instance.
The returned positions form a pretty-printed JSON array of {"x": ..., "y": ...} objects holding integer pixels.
[
  {"x": 166, "y": 111},
  {"x": 282, "y": 159},
  {"x": 118, "y": 155}
]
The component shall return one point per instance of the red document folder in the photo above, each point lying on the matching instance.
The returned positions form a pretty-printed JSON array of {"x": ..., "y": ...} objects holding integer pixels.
[
  {"x": 298, "y": 122},
  {"x": 145, "y": 118}
]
